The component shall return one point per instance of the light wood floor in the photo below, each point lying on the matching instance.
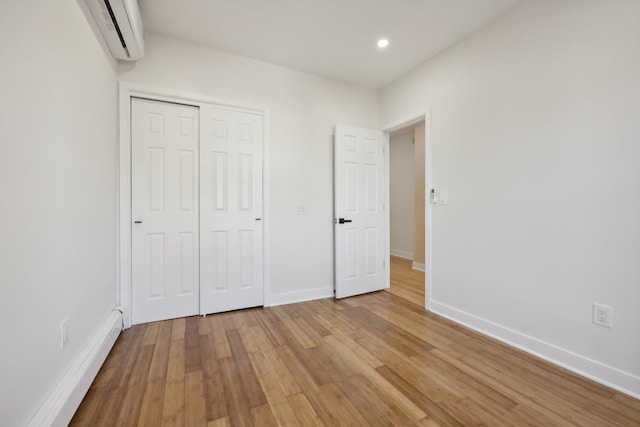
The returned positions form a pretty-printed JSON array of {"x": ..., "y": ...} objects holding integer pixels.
[
  {"x": 405, "y": 282},
  {"x": 377, "y": 359}
]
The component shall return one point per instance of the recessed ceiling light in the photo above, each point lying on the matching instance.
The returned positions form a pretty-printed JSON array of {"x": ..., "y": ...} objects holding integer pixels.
[{"x": 383, "y": 43}]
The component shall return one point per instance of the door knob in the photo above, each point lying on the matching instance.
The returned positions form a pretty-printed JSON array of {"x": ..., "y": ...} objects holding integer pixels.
[{"x": 342, "y": 220}]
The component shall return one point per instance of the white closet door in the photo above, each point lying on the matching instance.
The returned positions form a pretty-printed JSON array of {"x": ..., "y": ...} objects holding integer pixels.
[
  {"x": 359, "y": 174},
  {"x": 230, "y": 210},
  {"x": 164, "y": 181}
]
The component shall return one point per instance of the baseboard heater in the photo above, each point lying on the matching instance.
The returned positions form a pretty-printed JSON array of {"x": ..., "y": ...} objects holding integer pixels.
[{"x": 62, "y": 403}]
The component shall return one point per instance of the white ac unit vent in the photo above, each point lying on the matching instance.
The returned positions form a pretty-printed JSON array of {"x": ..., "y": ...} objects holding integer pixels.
[{"x": 120, "y": 23}]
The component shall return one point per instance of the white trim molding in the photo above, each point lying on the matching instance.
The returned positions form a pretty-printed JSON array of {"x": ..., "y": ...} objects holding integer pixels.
[
  {"x": 132, "y": 90},
  {"x": 418, "y": 266},
  {"x": 402, "y": 254},
  {"x": 64, "y": 400},
  {"x": 596, "y": 371}
]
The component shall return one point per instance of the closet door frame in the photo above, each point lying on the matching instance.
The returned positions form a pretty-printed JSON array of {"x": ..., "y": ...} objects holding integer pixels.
[{"x": 124, "y": 218}]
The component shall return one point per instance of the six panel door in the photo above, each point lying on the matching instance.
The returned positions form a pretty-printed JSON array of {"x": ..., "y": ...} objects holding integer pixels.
[
  {"x": 165, "y": 206},
  {"x": 230, "y": 210},
  {"x": 359, "y": 215}
]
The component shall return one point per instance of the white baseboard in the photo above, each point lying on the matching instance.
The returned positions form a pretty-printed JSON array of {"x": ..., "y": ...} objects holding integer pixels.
[
  {"x": 401, "y": 254},
  {"x": 62, "y": 403},
  {"x": 599, "y": 372},
  {"x": 418, "y": 266},
  {"x": 299, "y": 296}
]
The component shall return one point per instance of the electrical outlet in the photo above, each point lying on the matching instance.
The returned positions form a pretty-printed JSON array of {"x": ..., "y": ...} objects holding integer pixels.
[
  {"x": 602, "y": 315},
  {"x": 302, "y": 209},
  {"x": 64, "y": 333}
]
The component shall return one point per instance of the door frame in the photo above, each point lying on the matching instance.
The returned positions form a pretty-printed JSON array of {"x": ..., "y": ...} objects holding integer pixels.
[
  {"x": 412, "y": 119},
  {"x": 124, "y": 239}
]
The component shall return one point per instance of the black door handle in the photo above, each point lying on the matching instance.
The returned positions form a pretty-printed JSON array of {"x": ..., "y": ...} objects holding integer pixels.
[{"x": 342, "y": 220}]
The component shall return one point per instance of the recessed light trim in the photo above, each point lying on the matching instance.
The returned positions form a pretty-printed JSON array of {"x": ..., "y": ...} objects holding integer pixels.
[{"x": 382, "y": 43}]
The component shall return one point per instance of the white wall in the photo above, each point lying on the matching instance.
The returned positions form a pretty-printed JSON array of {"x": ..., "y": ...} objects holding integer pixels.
[
  {"x": 401, "y": 193},
  {"x": 535, "y": 136},
  {"x": 303, "y": 110},
  {"x": 57, "y": 185}
]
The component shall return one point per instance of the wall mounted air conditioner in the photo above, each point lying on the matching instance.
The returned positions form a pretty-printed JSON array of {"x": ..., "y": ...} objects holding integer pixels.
[{"x": 120, "y": 23}]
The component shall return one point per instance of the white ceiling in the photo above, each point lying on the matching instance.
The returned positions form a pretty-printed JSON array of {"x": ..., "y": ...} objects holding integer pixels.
[{"x": 332, "y": 38}]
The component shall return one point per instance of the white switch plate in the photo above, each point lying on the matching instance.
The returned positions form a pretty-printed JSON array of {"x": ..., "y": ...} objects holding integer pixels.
[{"x": 442, "y": 198}]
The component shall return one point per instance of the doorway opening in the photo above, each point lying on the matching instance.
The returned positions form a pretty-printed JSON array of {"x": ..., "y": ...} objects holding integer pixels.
[
  {"x": 409, "y": 214},
  {"x": 406, "y": 212}
]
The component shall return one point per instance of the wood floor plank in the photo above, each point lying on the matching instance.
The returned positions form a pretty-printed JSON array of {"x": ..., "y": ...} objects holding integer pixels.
[
  {"x": 220, "y": 422},
  {"x": 460, "y": 382},
  {"x": 237, "y": 402},
  {"x": 246, "y": 375},
  {"x": 87, "y": 409},
  {"x": 299, "y": 334},
  {"x": 173, "y": 406},
  {"x": 371, "y": 360},
  {"x": 263, "y": 416},
  {"x": 362, "y": 353},
  {"x": 304, "y": 311},
  {"x": 228, "y": 321},
  {"x": 374, "y": 403},
  {"x": 178, "y": 329},
  {"x": 195, "y": 413},
  {"x": 151, "y": 334},
  {"x": 422, "y": 400},
  {"x": 589, "y": 396},
  {"x": 506, "y": 389},
  {"x": 193, "y": 361},
  {"x": 304, "y": 412},
  {"x": 204, "y": 326},
  {"x": 151, "y": 410},
  {"x": 111, "y": 401},
  {"x": 281, "y": 372},
  {"x": 400, "y": 400},
  {"x": 282, "y": 412},
  {"x": 215, "y": 399},
  {"x": 220, "y": 343},
  {"x": 160, "y": 361},
  {"x": 298, "y": 370},
  {"x": 338, "y": 409},
  {"x": 134, "y": 392},
  {"x": 275, "y": 395},
  {"x": 632, "y": 405}
]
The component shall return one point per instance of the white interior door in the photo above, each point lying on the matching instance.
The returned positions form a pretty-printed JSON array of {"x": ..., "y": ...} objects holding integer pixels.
[
  {"x": 231, "y": 210},
  {"x": 359, "y": 216},
  {"x": 164, "y": 205}
]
